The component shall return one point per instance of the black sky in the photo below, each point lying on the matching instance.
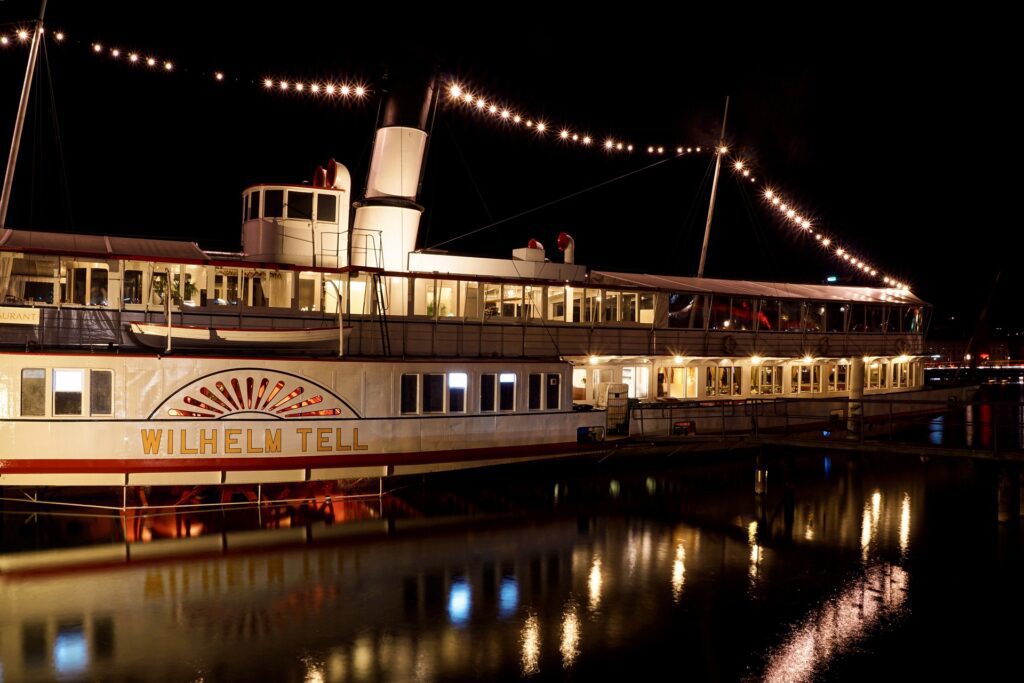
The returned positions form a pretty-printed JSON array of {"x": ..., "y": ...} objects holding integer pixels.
[{"x": 893, "y": 128}]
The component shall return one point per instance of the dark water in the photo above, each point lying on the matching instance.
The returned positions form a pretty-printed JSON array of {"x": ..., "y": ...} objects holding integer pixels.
[{"x": 661, "y": 568}]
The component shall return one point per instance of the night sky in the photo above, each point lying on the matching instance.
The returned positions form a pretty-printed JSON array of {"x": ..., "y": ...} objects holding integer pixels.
[{"x": 892, "y": 131}]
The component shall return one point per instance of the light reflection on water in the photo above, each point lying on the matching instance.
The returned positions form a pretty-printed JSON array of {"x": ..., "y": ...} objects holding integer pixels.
[
  {"x": 413, "y": 596},
  {"x": 834, "y": 626}
]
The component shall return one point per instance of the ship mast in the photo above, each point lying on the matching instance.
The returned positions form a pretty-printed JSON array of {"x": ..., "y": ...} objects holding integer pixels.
[
  {"x": 719, "y": 152},
  {"x": 19, "y": 121}
]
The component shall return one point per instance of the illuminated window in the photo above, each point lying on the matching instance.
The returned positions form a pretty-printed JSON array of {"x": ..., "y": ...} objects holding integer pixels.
[
  {"x": 556, "y": 303},
  {"x": 132, "y": 287},
  {"x": 507, "y": 391},
  {"x": 457, "y": 384},
  {"x": 837, "y": 377},
  {"x": 67, "y": 391},
  {"x": 637, "y": 380},
  {"x": 900, "y": 375},
  {"x": 875, "y": 375},
  {"x": 719, "y": 381},
  {"x": 628, "y": 307},
  {"x": 804, "y": 378},
  {"x": 766, "y": 380}
]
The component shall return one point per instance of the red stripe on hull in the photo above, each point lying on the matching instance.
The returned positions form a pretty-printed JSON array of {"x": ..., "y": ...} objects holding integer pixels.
[{"x": 173, "y": 464}]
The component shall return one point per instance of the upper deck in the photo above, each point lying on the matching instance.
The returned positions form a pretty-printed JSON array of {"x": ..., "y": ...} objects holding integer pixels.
[{"x": 442, "y": 305}]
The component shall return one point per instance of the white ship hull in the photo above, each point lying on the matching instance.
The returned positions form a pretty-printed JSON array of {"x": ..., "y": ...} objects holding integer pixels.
[{"x": 192, "y": 421}]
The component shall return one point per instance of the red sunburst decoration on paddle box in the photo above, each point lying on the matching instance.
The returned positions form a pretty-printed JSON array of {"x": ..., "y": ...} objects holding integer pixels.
[{"x": 217, "y": 398}]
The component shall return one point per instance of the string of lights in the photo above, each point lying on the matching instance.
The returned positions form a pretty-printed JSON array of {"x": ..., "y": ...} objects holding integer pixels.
[
  {"x": 475, "y": 101},
  {"x": 328, "y": 88},
  {"x": 788, "y": 212}
]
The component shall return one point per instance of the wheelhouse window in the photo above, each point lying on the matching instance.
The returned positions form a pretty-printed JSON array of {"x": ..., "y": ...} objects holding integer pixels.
[
  {"x": 253, "y": 211},
  {"x": 300, "y": 205},
  {"x": 67, "y": 391},
  {"x": 100, "y": 392},
  {"x": 273, "y": 204},
  {"x": 410, "y": 394},
  {"x": 326, "y": 208},
  {"x": 33, "y": 392}
]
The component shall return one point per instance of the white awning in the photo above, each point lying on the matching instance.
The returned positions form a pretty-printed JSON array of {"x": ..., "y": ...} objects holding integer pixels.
[
  {"x": 781, "y": 290},
  {"x": 35, "y": 241}
]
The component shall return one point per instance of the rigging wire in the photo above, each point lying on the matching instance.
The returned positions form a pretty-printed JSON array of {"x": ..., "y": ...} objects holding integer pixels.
[
  {"x": 469, "y": 174},
  {"x": 58, "y": 139},
  {"x": 764, "y": 244},
  {"x": 552, "y": 202},
  {"x": 684, "y": 234}
]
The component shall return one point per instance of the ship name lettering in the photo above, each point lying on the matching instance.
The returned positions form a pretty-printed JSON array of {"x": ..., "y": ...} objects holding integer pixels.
[{"x": 248, "y": 441}]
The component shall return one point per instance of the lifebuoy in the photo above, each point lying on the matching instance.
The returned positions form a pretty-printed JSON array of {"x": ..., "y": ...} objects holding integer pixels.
[{"x": 729, "y": 344}]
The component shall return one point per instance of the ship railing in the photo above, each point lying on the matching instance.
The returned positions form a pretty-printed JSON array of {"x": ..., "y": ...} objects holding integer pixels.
[
  {"x": 961, "y": 421},
  {"x": 366, "y": 248}
]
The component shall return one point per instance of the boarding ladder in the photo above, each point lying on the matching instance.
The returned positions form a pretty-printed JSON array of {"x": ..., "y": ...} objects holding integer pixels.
[{"x": 380, "y": 309}]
